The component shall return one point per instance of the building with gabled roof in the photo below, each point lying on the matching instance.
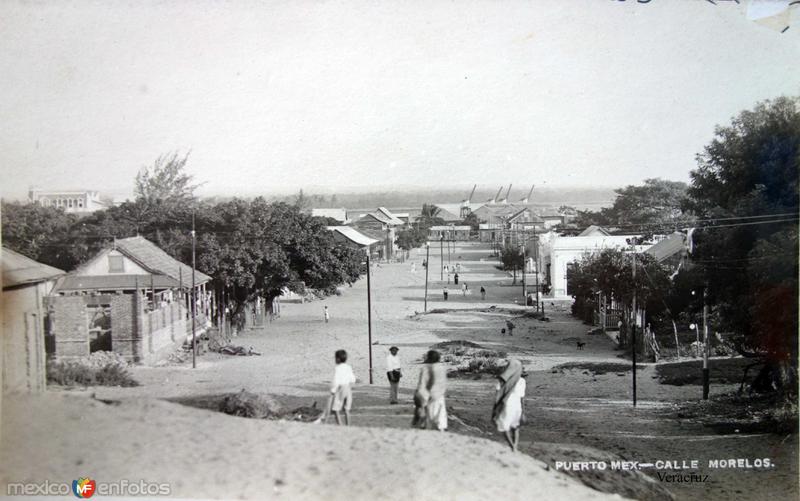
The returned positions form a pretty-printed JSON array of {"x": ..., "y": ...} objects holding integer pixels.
[
  {"x": 348, "y": 235},
  {"x": 131, "y": 298},
  {"x": 25, "y": 284}
]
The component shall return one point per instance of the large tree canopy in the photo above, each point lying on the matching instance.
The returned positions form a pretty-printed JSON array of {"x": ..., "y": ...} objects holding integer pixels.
[
  {"x": 746, "y": 188},
  {"x": 657, "y": 206},
  {"x": 250, "y": 247}
]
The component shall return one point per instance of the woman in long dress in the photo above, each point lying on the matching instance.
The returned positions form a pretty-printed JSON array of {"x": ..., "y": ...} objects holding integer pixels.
[
  {"x": 508, "y": 412},
  {"x": 431, "y": 411}
]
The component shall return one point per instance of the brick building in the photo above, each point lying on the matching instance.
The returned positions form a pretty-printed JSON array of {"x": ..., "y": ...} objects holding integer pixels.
[{"x": 131, "y": 298}]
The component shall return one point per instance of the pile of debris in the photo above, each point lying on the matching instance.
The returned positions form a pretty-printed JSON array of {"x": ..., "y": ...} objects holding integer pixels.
[{"x": 237, "y": 350}]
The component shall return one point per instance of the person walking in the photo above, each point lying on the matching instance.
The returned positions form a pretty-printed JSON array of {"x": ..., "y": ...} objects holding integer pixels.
[
  {"x": 341, "y": 396},
  {"x": 455, "y": 278},
  {"x": 483, "y": 293},
  {"x": 508, "y": 413},
  {"x": 429, "y": 399},
  {"x": 394, "y": 372},
  {"x": 445, "y": 293},
  {"x": 327, "y": 314}
]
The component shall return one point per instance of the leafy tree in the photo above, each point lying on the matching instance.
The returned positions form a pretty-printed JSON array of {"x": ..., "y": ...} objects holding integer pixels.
[
  {"x": 512, "y": 260},
  {"x": 410, "y": 238},
  {"x": 429, "y": 217},
  {"x": 748, "y": 174},
  {"x": 166, "y": 182},
  {"x": 472, "y": 221},
  {"x": 38, "y": 232},
  {"x": 610, "y": 273},
  {"x": 657, "y": 206}
]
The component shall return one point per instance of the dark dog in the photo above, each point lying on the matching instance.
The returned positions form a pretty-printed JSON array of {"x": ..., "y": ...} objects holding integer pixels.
[{"x": 580, "y": 345}]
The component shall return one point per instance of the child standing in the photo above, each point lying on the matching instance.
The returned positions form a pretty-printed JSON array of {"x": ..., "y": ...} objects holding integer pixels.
[
  {"x": 341, "y": 397},
  {"x": 327, "y": 315}
]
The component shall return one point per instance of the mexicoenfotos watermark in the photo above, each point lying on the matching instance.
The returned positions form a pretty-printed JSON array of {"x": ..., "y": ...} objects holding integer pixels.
[{"x": 85, "y": 488}]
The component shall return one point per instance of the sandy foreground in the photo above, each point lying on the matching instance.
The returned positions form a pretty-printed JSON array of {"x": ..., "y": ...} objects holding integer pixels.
[{"x": 204, "y": 454}]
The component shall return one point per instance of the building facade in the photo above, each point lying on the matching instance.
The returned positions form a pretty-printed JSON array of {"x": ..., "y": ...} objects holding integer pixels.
[{"x": 76, "y": 201}]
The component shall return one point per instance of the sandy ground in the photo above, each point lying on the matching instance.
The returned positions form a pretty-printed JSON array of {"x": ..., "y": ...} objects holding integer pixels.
[{"x": 573, "y": 414}]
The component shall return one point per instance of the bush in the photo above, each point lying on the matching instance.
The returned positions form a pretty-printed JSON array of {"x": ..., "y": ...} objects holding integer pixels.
[
  {"x": 471, "y": 358},
  {"x": 101, "y": 368},
  {"x": 250, "y": 405}
]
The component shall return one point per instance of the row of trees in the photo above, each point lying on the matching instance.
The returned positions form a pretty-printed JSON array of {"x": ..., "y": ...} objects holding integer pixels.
[
  {"x": 743, "y": 205},
  {"x": 250, "y": 247}
]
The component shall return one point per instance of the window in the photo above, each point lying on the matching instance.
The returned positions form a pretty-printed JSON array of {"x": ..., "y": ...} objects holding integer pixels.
[
  {"x": 116, "y": 264},
  {"x": 69, "y": 203}
]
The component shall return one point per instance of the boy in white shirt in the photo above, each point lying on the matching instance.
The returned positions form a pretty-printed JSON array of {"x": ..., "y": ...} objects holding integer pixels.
[{"x": 341, "y": 397}]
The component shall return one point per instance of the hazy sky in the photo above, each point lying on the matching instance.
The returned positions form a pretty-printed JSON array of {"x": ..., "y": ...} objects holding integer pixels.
[{"x": 271, "y": 95}]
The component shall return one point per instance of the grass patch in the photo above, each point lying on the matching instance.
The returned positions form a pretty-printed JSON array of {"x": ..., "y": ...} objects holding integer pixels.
[
  {"x": 596, "y": 368},
  {"x": 101, "y": 368},
  {"x": 471, "y": 359}
]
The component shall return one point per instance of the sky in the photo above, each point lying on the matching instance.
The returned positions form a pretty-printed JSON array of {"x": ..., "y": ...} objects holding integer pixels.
[{"x": 276, "y": 95}]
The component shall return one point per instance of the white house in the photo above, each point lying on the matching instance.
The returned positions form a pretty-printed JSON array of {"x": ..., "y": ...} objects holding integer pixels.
[{"x": 558, "y": 252}]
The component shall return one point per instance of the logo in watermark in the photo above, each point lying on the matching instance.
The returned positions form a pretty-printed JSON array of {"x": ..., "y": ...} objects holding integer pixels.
[{"x": 84, "y": 487}]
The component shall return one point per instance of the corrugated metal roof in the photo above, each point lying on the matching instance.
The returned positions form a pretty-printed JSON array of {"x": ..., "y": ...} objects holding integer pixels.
[
  {"x": 155, "y": 260},
  {"x": 393, "y": 220},
  {"x": 668, "y": 247},
  {"x": 18, "y": 269},
  {"x": 354, "y": 235},
  {"x": 115, "y": 282}
]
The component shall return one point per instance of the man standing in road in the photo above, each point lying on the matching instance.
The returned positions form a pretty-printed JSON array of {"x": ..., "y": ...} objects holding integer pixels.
[{"x": 394, "y": 373}]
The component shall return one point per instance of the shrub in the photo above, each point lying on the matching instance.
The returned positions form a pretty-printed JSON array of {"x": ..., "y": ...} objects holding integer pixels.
[
  {"x": 250, "y": 405},
  {"x": 101, "y": 368}
]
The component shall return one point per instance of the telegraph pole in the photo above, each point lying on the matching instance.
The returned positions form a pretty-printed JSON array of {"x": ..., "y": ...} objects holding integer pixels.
[
  {"x": 633, "y": 326},
  {"x": 524, "y": 287},
  {"x": 536, "y": 260},
  {"x": 369, "y": 319},
  {"x": 194, "y": 300},
  {"x": 706, "y": 346},
  {"x": 441, "y": 257},
  {"x": 427, "y": 267}
]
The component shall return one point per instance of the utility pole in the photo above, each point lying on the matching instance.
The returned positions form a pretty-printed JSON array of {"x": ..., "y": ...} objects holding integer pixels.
[
  {"x": 369, "y": 319},
  {"x": 524, "y": 286},
  {"x": 427, "y": 267},
  {"x": 633, "y": 325},
  {"x": 441, "y": 257},
  {"x": 194, "y": 300},
  {"x": 536, "y": 261},
  {"x": 706, "y": 346}
]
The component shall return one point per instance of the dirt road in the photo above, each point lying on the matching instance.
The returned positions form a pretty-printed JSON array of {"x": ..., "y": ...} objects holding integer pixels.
[{"x": 574, "y": 415}]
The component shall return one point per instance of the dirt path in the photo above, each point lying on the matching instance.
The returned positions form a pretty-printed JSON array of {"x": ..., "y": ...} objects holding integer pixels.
[{"x": 574, "y": 414}]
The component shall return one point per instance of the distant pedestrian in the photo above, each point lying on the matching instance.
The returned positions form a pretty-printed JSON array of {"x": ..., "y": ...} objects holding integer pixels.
[
  {"x": 341, "y": 397},
  {"x": 445, "y": 293},
  {"x": 424, "y": 263},
  {"x": 394, "y": 372},
  {"x": 465, "y": 291},
  {"x": 508, "y": 413},
  {"x": 483, "y": 293},
  {"x": 455, "y": 278},
  {"x": 510, "y": 326},
  {"x": 430, "y": 409},
  {"x": 327, "y": 314}
]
